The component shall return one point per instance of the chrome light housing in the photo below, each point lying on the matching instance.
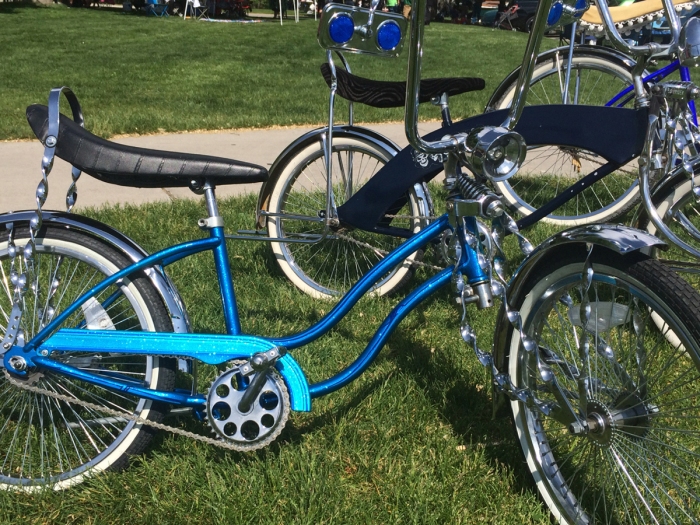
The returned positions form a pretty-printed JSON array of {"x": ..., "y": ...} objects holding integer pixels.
[
  {"x": 564, "y": 12},
  {"x": 357, "y": 30},
  {"x": 495, "y": 152}
]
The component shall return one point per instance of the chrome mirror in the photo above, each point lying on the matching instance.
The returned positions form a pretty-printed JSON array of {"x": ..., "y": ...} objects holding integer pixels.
[{"x": 689, "y": 43}]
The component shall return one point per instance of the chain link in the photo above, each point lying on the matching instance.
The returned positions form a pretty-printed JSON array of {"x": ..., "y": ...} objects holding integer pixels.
[
  {"x": 499, "y": 287},
  {"x": 124, "y": 415}
]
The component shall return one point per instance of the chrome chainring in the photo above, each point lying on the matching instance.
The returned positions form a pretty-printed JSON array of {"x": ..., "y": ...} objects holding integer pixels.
[{"x": 261, "y": 423}]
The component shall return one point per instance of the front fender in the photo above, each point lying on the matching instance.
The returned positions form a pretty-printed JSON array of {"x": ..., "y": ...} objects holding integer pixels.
[
  {"x": 162, "y": 283},
  {"x": 316, "y": 135},
  {"x": 622, "y": 240}
]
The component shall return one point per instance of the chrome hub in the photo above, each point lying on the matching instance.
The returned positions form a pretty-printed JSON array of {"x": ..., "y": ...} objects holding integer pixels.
[
  {"x": 600, "y": 424},
  {"x": 628, "y": 414}
]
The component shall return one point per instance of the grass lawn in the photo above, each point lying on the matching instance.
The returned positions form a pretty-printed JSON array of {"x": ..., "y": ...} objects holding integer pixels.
[{"x": 139, "y": 74}]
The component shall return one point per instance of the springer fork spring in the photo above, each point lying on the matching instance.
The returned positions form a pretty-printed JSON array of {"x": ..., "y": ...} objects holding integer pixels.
[{"x": 472, "y": 189}]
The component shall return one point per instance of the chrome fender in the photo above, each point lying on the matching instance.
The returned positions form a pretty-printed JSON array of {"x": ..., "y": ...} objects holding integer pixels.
[
  {"x": 316, "y": 135},
  {"x": 622, "y": 240},
  {"x": 162, "y": 283}
]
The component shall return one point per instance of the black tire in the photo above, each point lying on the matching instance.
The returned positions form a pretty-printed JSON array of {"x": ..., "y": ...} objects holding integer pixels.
[
  {"x": 638, "y": 462},
  {"x": 676, "y": 204},
  {"x": 62, "y": 442}
]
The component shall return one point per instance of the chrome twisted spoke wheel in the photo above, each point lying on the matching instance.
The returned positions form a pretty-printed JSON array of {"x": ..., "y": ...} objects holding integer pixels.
[
  {"x": 635, "y": 456},
  {"x": 55, "y": 442}
]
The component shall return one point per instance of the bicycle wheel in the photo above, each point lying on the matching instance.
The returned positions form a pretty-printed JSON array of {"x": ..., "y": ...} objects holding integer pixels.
[
  {"x": 638, "y": 460},
  {"x": 331, "y": 266},
  {"x": 677, "y": 207},
  {"x": 57, "y": 442},
  {"x": 549, "y": 169}
]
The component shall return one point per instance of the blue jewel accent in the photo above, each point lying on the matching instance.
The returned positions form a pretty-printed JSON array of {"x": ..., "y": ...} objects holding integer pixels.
[
  {"x": 341, "y": 29},
  {"x": 388, "y": 35},
  {"x": 555, "y": 13}
]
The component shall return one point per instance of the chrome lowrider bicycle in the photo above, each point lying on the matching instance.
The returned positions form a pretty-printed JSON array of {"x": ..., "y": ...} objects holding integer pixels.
[{"x": 597, "y": 345}]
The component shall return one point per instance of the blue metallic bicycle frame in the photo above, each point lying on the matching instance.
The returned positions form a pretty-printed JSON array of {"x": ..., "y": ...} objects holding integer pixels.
[
  {"x": 215, "y": 349},
  {"x": 627, "y": 94}
]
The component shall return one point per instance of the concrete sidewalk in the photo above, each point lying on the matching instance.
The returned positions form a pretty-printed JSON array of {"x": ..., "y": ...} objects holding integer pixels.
[{"x": 20, "y": 165}]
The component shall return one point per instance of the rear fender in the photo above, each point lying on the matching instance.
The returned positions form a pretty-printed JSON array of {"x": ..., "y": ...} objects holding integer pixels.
[
  {"x": 317, "y": 135},
  {"x": 162, "y": 283}
]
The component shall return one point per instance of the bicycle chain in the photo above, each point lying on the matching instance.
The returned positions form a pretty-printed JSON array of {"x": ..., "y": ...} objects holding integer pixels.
[
  {"x": 131, "y": 417},
  {"x": 384, "y": 252}
]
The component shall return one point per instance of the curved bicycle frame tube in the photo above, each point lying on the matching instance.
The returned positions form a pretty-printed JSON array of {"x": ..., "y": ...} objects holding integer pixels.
[
  {"x": 349, "y": 300},
  {"x": 175, "y": 253},
  {"x": 216, "y": 349},
  {"x": 357, "y": 367}
]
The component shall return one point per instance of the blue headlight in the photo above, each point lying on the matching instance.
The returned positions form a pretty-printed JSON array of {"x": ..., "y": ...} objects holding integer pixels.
[
  {"x": 341, "y": 28},
  {"x": 581, "y": 6},
  {"x": 555, "y": 13},
  {"x": 388, "y": 35}
]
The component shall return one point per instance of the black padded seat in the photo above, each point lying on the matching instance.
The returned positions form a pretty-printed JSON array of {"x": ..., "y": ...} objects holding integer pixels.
[
  {"x": 384, "y": 94},
  {"x": 138, "y": 167}
]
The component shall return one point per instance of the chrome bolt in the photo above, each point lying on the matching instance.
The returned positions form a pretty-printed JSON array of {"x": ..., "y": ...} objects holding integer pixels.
[
  {"x": 496, "y": 153},
  {"x": 577, "y": 428},
  {"x": 7, "y": 346},
  {"x": 51, "y": 141},
  {"x": 18, "y": 363},
  {"x": 495, "y": 209},
  {"x": 43, "y": 352}
]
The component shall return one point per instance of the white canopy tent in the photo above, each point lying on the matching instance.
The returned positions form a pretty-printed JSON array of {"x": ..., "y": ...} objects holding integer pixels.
[{"x": 295, "y": 3}]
